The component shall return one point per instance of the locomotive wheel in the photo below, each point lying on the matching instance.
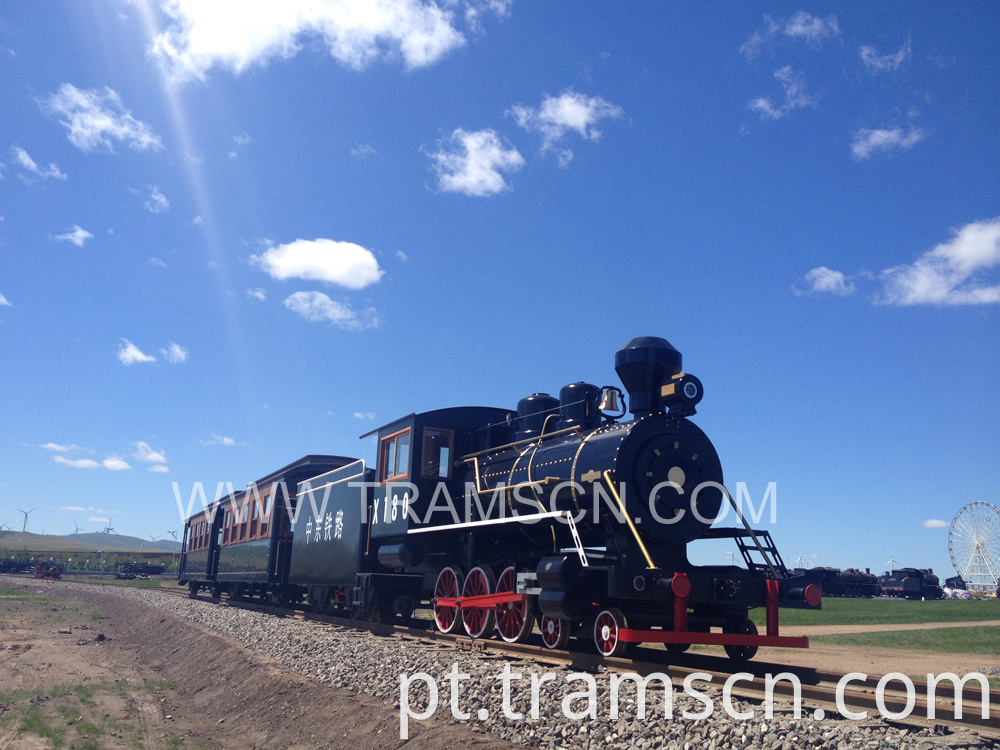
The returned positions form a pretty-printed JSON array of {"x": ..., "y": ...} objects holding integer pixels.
[
  {"x": 193, "y": 589},
  {"x": 677, "y": 648},
  {"x": 555, "y": 632},
  {"x": 741, "y": 627},
  {"x": 449, "y": 584},
  {"x": 513, "y": 618},
  {"x": 607, "y": 632},
  {"x": 478, "y": 620}
]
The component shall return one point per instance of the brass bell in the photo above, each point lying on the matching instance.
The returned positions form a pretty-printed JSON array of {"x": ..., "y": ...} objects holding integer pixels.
[{"x": 609, "y": 401}]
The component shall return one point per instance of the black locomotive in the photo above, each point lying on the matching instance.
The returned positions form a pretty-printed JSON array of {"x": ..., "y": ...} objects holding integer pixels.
[
  {"x": 911, "y": 583},
  {"x": 853, "y": 583},
  {"x": 562, "y": 514}
]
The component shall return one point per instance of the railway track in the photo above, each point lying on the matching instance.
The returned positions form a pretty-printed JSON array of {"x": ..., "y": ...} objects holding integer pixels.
[{"x": 814, "y": 690}]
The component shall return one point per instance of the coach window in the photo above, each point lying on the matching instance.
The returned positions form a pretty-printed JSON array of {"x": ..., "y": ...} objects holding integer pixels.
[
  {"x": 266, "y": 518},
  {"x": 394, "y": 456},
  {"x": 435, "y": 453}
]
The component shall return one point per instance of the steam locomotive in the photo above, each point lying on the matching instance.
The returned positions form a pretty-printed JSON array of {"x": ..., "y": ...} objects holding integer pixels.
[{"x": 562, "y": 514}]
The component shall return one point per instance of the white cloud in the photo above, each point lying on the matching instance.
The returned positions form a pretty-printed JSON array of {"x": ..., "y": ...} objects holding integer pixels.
[
  {"x": 145, "y": 453},
  {"x": 570, "y": 111},
  {"x": 98, "y": 519},
  {"x": 197, "y": 220},
  {"x": 343, "y": 263},
  {"x": 218, "y": 440},
  {"x": 473, "y": 164},
  {"x": 316, "y": 306},
  {"x": 77, "y": 235},
  {"x": 258, "y": 294},
  {"x": 935, "y": 523},
  {"x": 74, "y": 507},
  {"x": 130, "y": 354},
  {"x": 363, "y": 151},
  {"x": 157, "y": 202},
  {"x": 4, "y": 302},
  {"x": 878, "y": 63},
  {"x": 159, "y": 469},
  {"x": 402, "y": 256},
  {"x": 236, "y": 34},
  {"x": 795, "y": 96},
  {"x": 368, "y": 415},
  {"x": 242, "y": 139},
  {"x": 56, "y": 448},
  {"x": 866, "y": 141},
  {"x": 95, "y": 119},
  {"x": 948, "y": 274},
  {"x": 157, "y": 262},
  {"x": 175, "y": 354},
  {"x": 811, "y": 29},
  {"x": 21, "y": 157},
  {"x": 76, "y": 463},
  {"x": 115, "y": 463},
  {"x": 823, "y": 279}
]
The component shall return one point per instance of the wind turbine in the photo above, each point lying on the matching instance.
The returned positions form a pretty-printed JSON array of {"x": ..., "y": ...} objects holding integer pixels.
[
  {"x": 26, "y": 512},
  {"x": 891, "y": 563},
  {"x": 172, "y": 552}
]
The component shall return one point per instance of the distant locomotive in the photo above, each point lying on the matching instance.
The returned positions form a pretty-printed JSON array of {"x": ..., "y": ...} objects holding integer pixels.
[
  {"x": 852, "y": 583},
  {"x": 911, "y": 583},
  {"x": 558, "y": 514}
]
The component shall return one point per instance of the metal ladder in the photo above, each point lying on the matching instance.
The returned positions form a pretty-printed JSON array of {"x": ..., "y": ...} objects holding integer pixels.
[{"x": 760, "y": 543}]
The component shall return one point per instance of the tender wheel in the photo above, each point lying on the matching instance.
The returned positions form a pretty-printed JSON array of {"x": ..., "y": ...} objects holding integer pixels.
[
  {"x": 677, "y": 648},
  {"x": 478, "y": 620},
  {"x": 449, "y": 584},
  {"x": 555, "y": 632},
  {"x": 607, "y": 632},
  {"x": 193, "y": 589},
  {"x": 741, "y": 627},
  {"x": 513, "y": 618}
]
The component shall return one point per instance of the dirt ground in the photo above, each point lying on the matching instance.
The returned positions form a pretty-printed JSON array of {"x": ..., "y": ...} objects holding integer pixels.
[
  {"x": 98, "y": 671},
  {"x": 873, "y": 661}
]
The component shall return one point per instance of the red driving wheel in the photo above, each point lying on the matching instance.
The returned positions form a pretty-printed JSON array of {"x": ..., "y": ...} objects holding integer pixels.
[
  {"x": 513, "y": 618},
  {"x": 478, "y": 620},
  {"x": 449, "y": 584}
]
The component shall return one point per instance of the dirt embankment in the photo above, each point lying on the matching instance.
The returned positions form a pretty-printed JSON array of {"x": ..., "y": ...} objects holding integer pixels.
[{"x": 104, "y": 670}]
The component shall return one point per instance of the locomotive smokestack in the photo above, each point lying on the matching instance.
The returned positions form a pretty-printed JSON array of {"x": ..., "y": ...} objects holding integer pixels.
[{"x": 644, "y": 365}]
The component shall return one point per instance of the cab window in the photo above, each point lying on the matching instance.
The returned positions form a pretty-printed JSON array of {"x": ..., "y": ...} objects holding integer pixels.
[
  {"x": 394, "y": 455},
  {"x": 435, "y": 453}
]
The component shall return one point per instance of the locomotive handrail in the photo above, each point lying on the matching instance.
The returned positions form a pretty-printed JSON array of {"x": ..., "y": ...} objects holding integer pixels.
[
  {"x": 470, "y": 456},
  {"x": 628, "y": 519},
  {"x": 512, "y": 519}
]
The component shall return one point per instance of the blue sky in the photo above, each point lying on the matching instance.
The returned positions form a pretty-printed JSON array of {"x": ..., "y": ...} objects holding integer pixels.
[{"x": 235, "y": 233}]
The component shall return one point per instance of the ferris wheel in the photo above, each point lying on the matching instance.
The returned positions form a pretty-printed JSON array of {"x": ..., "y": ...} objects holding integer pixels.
[{"x": 974, "y": 545}]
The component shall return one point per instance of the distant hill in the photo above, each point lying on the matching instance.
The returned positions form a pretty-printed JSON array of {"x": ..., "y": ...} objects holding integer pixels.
[
  {"x": 118, "y": 541},
  {"x": 17, "y": 540}
]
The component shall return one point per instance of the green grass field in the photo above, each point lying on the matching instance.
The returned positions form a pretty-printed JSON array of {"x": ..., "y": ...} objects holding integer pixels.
[
  {"x": 972, "y": 640},
  {"x": 887, "y": 612}
]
